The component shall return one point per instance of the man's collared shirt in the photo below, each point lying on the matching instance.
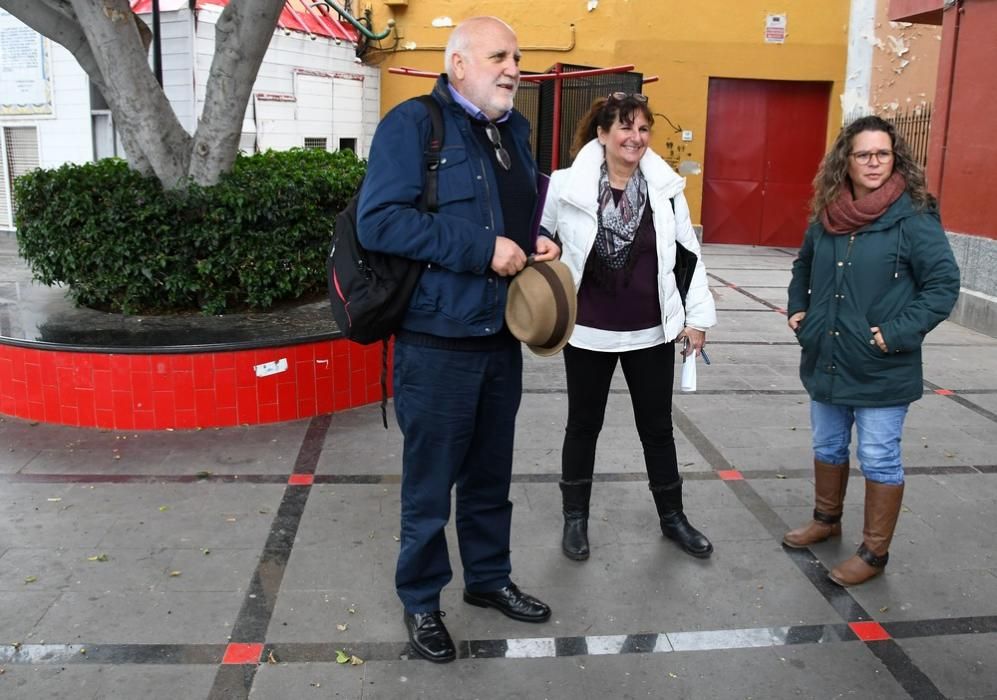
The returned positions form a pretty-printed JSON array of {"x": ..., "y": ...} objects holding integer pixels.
[{"x": 471, "y": 109}]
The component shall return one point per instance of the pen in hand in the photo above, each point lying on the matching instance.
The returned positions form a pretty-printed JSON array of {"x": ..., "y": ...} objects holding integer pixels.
[{"x": 702, "y": 351}]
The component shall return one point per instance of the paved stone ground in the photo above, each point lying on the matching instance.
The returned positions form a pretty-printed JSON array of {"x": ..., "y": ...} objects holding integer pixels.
[{"x": 242, "y": 562}]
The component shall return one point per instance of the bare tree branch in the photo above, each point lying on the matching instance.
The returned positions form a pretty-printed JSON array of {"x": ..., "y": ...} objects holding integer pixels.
[
  {"x": 143, "y": 115},
  {"x": 242, "y": 36},
  {"x": 111, "y": 44}
]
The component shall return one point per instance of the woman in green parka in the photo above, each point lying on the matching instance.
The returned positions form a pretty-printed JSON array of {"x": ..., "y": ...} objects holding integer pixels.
[{"x": 874, "y": 275}]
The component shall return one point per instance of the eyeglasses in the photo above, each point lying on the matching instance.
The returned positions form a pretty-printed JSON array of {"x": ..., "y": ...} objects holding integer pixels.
[
  {"x": 501, "y": 155},
  {"x": 865, "y": 157},
  {"x": 621, "y": 96}
]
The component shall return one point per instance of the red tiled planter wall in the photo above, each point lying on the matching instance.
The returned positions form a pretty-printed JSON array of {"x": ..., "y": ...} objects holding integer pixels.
[{"x": 198, "y": 390}]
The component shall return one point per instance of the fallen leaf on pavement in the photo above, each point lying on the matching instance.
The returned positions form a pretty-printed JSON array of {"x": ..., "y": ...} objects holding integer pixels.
[{"x": 98, "y": 557}]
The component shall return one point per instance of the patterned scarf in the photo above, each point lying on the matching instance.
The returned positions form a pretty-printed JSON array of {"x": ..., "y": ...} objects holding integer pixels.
[
  {"x": 846, "y": 215},
  {"x": 618, "y": 222}
]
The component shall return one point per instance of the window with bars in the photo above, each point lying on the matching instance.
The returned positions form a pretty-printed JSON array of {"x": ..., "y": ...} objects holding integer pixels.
[
  {"x": 316, "y": 142},
  {"x": 19, "y": 153}
]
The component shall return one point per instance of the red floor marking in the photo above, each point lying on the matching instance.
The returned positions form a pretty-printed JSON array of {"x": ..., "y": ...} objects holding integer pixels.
[
  {"x": 243, "y": 654},
  {"x": 869, "y": 631},
  {"x": 301, "y": 480},
  {"x": 730, "y": 475},
  {"x": 944, "y": 392}
]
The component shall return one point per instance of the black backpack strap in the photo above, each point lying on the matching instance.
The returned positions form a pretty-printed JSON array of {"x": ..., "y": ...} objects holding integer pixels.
[
  {"x": 432, "y": 154},
  {"x": 384, "y": 383},
  {"x": 428, "y": 202}
]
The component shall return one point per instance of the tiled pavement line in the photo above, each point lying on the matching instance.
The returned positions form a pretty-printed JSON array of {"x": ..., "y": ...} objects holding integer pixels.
[
  {"x": 234, "y": 678},
  {"x": 962, "y": 401},
  {"x": 894, "y": 657},
  {"x": 243, "y": 658},
  {"x": 379, "y": 479},
  {"x": 536, "y": 647},
  {"x": 240, "y": 660},
  {"x": 763, "y": 302}
]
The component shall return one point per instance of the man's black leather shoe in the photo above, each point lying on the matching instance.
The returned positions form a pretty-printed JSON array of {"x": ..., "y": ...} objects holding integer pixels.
[
  {"x": 511, "y": 602},
  {"x": 429, "y": 637}
]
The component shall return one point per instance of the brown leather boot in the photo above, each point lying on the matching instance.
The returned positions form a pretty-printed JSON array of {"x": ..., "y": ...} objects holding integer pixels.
[
  {"x": 882, "y": 508},
  {"x": 830, "y": 483}
]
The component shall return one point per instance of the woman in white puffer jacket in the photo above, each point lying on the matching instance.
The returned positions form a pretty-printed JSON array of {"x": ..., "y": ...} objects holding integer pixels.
[{"x": 618, "y": 213}]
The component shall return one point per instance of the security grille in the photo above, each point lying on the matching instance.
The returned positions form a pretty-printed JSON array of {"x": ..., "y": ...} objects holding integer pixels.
[
  {"x": 315, "y": 142},
  {"x": 20, "y": 155},
  {"x": 577, "y": 95}
]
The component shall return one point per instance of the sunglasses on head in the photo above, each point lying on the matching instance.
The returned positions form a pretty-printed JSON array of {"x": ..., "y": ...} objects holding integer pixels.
[{"x": 622, "y": 96}]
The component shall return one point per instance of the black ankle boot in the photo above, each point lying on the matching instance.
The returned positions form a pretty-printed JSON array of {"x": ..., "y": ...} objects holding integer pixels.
[
  {"x": 575, "y": 498},
  {"x": 675, "y": 526}
]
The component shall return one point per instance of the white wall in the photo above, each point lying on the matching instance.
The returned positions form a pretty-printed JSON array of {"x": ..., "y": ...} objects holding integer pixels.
[
  {"x": 329, "y": 103},
  {"x": 306, "y": 88},
  {"x": 63, "y": 137},
  {"x": 178, "y": 63}
]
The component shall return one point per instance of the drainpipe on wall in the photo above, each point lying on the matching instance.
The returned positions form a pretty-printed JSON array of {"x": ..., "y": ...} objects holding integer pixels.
[
  {"x": 947, "y": 110},
  {"x": 858, "y": 72}
]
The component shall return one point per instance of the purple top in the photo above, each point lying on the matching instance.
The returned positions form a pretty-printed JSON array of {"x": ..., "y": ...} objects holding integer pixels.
[{"x": 624, "y": 299}]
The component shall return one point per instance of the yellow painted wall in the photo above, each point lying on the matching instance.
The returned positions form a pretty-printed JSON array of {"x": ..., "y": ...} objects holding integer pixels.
[{"x": 684, "y": 43}]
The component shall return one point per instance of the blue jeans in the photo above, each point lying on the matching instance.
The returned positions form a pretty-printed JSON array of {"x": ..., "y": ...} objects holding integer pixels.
[
  {"x": 879, "y": 430},
  {"x": 457, "y": 412}
]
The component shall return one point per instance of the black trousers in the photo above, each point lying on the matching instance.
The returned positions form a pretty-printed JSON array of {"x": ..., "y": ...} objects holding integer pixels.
[{"x": 649, "y": 374}]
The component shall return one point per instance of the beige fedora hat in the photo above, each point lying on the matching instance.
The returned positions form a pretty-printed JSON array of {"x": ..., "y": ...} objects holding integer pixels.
[{"x": 541, "y": 306}]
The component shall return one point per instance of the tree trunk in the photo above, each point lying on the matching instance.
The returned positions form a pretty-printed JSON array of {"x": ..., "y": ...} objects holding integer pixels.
[
  {"x": 111, "y": 44},
  {"x": 242, "y": 37},
  {"x": 142, "y": 113}
]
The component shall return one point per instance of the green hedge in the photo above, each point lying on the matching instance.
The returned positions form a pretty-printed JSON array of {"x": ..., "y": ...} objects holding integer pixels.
[{"x": 121, "y": 243}]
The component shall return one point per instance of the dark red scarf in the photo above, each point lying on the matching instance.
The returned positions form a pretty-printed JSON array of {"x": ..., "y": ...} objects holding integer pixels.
[{"x": 847, "y": 215}]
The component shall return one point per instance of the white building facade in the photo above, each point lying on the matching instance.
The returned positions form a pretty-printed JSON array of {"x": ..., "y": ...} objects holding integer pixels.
[{"x": 311, "y": 91}]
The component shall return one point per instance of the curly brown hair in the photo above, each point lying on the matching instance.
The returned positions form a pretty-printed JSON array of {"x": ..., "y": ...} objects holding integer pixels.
[
  {"x": 833, "y": 171},
  {"x": 603, "y": 114}
]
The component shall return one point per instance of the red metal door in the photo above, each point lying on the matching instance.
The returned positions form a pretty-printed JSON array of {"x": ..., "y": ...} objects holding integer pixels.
[{"x": 764, "y": 142}]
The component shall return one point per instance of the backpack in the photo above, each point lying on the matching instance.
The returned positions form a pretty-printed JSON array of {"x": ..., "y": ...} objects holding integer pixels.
[{"x": 369, "y": 291}]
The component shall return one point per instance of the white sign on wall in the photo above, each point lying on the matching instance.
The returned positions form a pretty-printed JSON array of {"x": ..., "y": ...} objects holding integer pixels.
[
  {"x": 25, "y": 77},
  {"x": 775, "y": 29}
]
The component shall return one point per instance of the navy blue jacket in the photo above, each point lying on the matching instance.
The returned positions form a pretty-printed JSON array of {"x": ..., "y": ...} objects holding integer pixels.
[
  {"x": 897, "y": 273},
  {"x": 458, "y": 294}
]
